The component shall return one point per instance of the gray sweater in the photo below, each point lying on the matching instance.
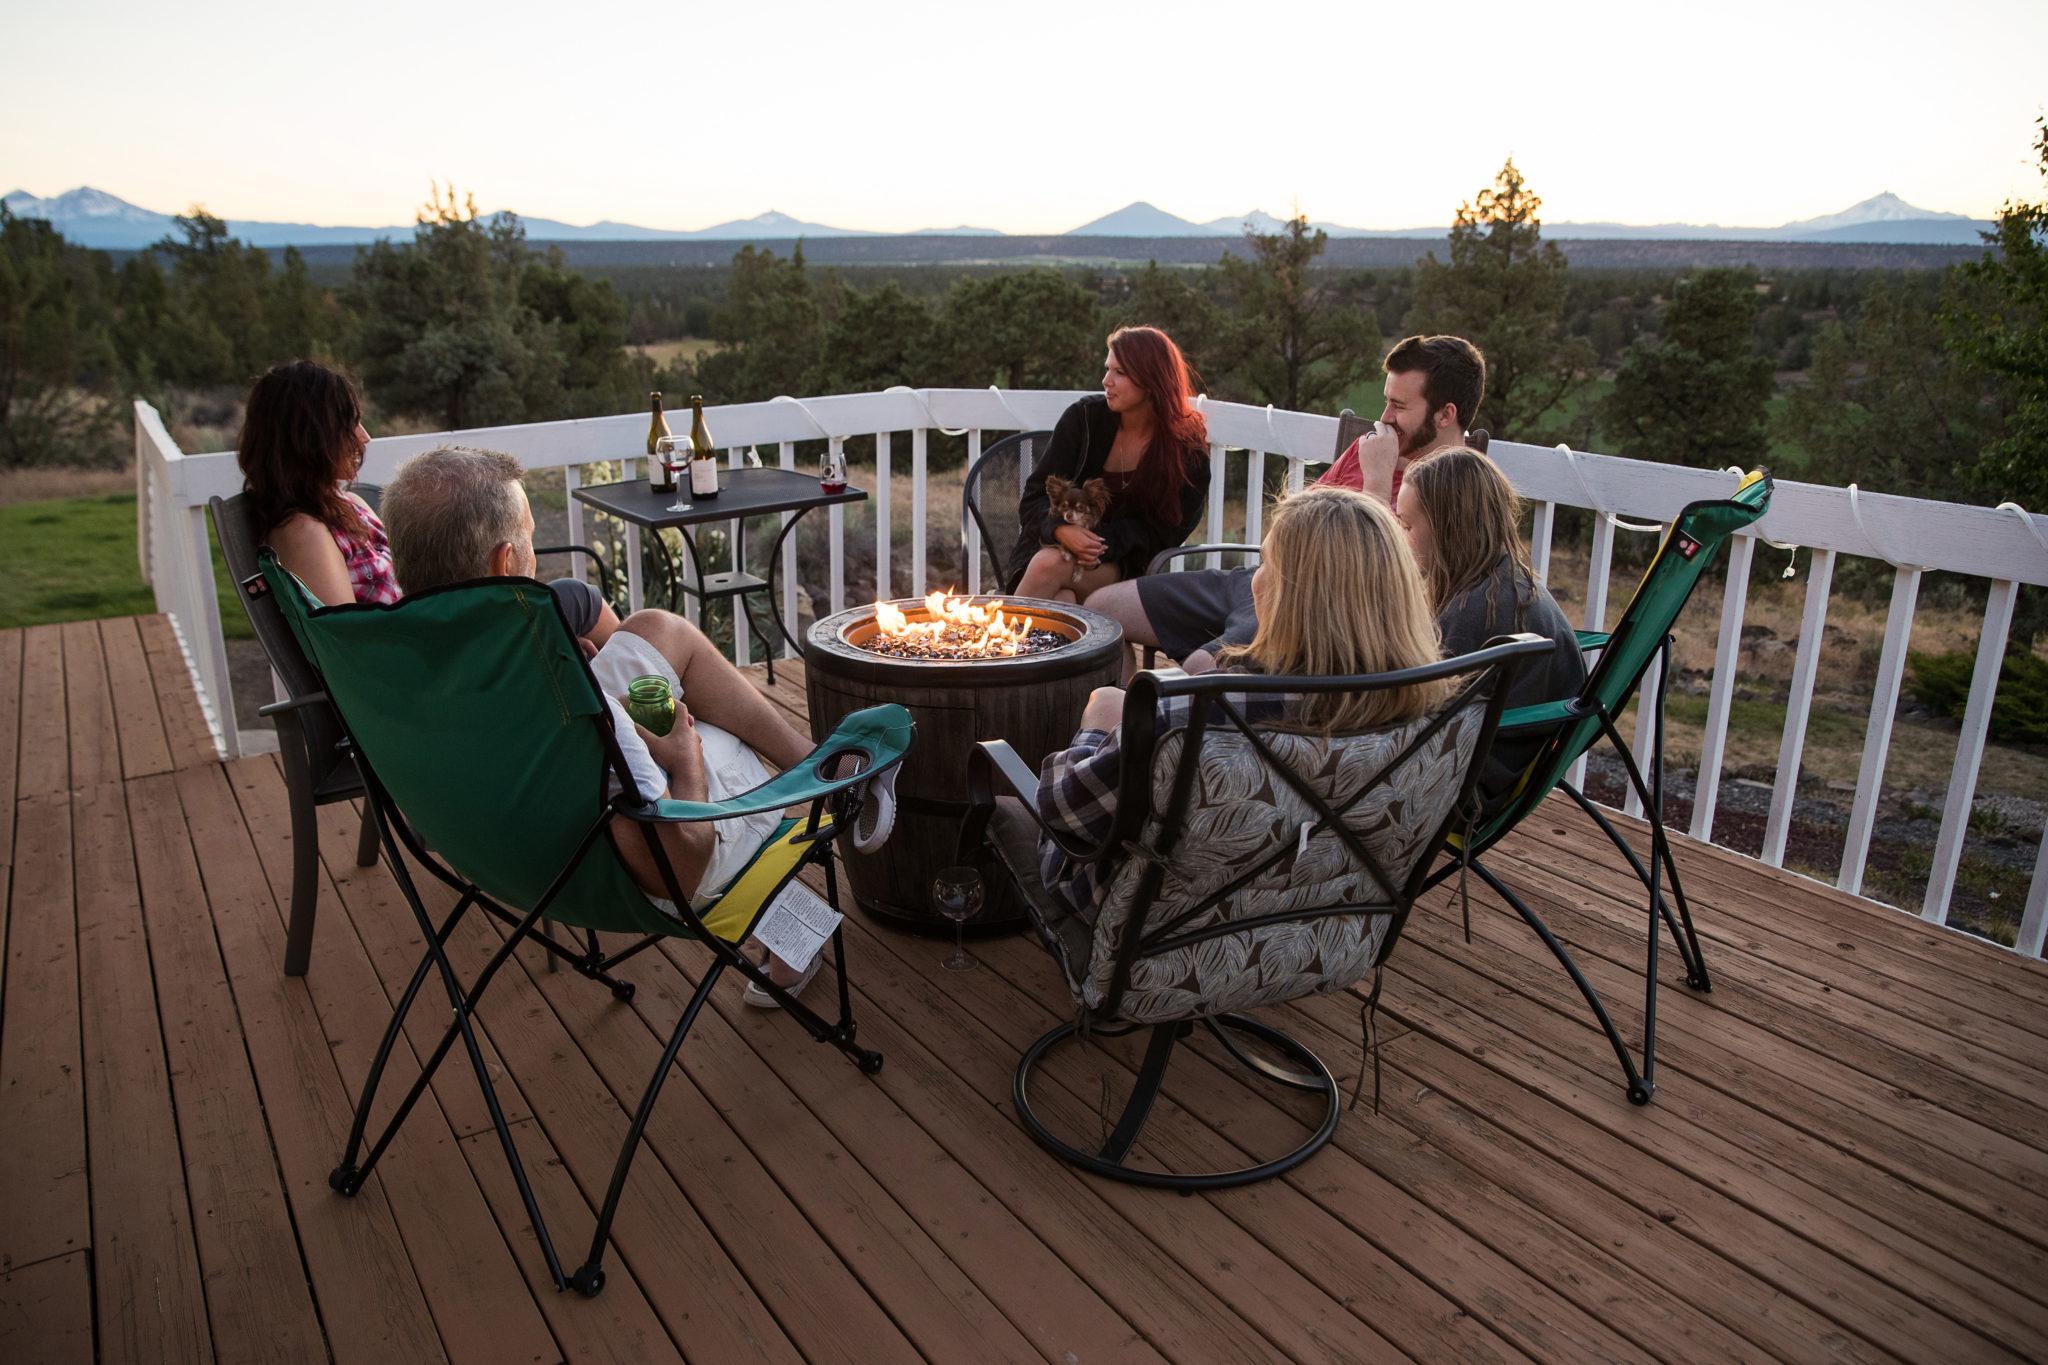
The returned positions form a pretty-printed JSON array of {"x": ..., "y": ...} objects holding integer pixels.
[{"x": 1504, "y": 602}]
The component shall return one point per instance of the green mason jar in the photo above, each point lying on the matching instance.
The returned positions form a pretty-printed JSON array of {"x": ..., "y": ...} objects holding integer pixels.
[{"x": 650, "y": 704}]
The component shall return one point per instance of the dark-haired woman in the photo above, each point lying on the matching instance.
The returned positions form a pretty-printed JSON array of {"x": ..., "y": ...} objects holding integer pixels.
[
  {"x": 302, "y": 442},
  {"x": 1143, "y": 437}
]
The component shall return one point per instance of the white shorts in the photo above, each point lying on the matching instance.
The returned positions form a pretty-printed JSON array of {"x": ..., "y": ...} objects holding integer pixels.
[{"x": 730, "y": 766}]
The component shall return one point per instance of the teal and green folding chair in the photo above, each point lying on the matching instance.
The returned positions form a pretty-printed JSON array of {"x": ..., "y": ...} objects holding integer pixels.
[
  {"x": 482, "y": 737},
  {"x": 1572, "y": 727}
]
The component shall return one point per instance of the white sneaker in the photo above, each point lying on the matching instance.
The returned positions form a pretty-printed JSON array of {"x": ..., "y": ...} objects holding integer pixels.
[
  {"x": 762, "y": 1000},
  {"x": 877, "y": 816}
]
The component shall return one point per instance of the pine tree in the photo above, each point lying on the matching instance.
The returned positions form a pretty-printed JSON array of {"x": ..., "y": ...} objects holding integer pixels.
[
  {"x": 1696, "y": 393},
  {"x": 1503, "y": 290},
  {"x": 2002, "y": 325},
  {"x": 1294, "y": 339}
]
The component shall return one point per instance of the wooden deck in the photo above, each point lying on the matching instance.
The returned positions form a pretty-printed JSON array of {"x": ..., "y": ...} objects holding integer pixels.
[{"x": 1845, "y": 1159}]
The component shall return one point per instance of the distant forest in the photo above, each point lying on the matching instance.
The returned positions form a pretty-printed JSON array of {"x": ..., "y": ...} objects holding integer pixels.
[{"x": 1919, "y": 370}]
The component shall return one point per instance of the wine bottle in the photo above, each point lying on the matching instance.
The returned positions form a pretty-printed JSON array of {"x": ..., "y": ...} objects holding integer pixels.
[
  {"x": 703, "y": 463},
  {"x": 659, "y": 475}
]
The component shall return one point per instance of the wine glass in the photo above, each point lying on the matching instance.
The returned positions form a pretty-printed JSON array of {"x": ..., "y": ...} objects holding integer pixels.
[
  {"x": 957, "y": 891},
  {"x": 666, "y": 450}
]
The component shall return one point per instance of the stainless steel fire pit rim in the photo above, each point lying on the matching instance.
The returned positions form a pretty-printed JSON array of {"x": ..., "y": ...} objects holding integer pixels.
[{"x": 1096, "y": 637}]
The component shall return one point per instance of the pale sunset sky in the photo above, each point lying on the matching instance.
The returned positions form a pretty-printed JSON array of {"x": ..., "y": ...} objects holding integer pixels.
[{"x": 899, "y": 114}]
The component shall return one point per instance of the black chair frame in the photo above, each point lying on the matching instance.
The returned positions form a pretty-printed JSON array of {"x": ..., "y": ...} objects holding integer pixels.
[{"x": 970, "y": 506}]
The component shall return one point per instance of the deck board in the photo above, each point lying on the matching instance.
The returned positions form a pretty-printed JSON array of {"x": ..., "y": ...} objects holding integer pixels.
[{"x": 1847, "y": 1158}]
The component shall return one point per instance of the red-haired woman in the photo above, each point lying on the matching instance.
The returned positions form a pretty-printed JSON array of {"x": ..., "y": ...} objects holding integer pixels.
[
  {"x": 302, "y": 441},
  {"x": 1143, "y": 438}
]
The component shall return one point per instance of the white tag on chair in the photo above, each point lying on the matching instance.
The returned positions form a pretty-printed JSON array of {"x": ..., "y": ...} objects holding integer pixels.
[{"x": 796, "y": 925}]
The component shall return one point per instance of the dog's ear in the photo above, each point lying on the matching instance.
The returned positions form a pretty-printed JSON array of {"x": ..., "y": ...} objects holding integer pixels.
[
  {"x": 1056, "y": 487},
  {"x": 1097, "y": 493}
]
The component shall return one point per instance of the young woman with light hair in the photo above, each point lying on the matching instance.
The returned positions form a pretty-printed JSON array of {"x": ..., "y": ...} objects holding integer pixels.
[
  {"x": 1339, "y": 594},
  {"x": 1463, "y": 520}
]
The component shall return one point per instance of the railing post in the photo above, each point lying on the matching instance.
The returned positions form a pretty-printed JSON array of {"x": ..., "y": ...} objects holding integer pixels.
[
  {"x": 1646, "y": 727},
  {"x": 1962, "y": 780},
  {"x": 635, "y": 589},
  {"x": 1798, "y": 704},
  {"x": 920, "y": 578},
  {"x": 1217, "y": 477},
  {"x": 1254, "y": 495},
  {"x": 142, "y": 482},
  {"x": 837, "y": 513},
  {"x": 1877, "y": 735},
  {"x": 572, "y": 479},
  {"x": 2034, "y": 923},
  {"x": 970, "y": 534},
  {"x": 742, "y": 633},
  {"x": 1597, "y": 568},
  {"x": 1721, "y": 691},
  {"x": 884, "y": 586},
  {"x": 787, "y": 458},
  {"x": 209, "y": 650},
  {"x": 1540, "y": 526}
]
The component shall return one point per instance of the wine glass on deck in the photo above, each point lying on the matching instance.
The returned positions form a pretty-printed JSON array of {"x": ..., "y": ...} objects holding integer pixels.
[
  {"x": 674, "y": 452},
  {"x": 957, "y": 891}
]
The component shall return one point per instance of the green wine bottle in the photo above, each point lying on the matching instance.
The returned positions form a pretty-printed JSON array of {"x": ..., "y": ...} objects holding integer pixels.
[{"x": 659, "y": 475}]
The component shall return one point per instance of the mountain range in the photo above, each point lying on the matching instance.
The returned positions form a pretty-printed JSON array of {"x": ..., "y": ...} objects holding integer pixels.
[{"x": 94, "y": 218}]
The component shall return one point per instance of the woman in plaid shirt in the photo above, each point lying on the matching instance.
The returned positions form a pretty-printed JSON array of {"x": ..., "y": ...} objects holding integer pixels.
[{"x": 1338, "y": 594}]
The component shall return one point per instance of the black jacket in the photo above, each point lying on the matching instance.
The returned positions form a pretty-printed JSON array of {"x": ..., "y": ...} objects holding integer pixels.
[{"x": 1078, "y": 450}]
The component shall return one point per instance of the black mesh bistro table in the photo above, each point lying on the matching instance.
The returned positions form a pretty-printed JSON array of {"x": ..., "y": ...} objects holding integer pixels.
[{"x": 742, "y": 493}]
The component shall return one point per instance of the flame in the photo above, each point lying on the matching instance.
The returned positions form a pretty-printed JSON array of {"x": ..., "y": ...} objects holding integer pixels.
[{"x": 957, "y": 626}]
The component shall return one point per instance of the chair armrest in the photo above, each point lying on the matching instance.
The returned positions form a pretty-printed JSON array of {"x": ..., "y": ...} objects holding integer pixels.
[
  {"x": 994, "y": 769},
  {"x": 880, "y": 733},
  {"x": 1593, "y": 639},
  {"x": 292, "y": 704},
  {"x": 1542, "y": 716},
  {"x": 604, "y": 573},
  {"x": 1165, "y": 557},
  {"x": 994, "y": 758}
]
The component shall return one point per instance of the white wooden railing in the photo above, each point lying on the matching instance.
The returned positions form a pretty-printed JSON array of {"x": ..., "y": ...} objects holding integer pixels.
[{"x": 2005, "y": 546}]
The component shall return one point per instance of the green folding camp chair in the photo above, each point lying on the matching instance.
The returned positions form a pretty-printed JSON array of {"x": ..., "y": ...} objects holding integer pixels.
[
  {"x": 1572, "y": 727},
  {"x": 481, "y": 736}
]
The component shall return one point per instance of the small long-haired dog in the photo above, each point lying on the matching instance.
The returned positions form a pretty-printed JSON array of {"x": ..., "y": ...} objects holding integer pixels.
[{"x": 1077, "y": 504}]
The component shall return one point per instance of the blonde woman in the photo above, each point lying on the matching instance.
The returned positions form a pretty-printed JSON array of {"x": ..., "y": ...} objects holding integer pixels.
[
  {"x": 1339, "y": 593},
  {"x": 1463, "y": 521}
]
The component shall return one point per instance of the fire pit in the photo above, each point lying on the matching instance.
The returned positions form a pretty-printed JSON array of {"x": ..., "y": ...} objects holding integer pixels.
[{"x": 968, "y": 669}]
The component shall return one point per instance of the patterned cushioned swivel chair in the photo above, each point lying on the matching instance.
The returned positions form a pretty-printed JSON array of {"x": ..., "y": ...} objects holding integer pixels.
[{"x": 1250, "y": 864}]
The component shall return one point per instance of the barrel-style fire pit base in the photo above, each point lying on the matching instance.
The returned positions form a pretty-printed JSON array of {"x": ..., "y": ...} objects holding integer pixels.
[{"x": 1033, "y": 701}]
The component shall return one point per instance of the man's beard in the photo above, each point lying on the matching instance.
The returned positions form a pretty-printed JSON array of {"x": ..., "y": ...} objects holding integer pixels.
[{"x": 1423, "y": 439}]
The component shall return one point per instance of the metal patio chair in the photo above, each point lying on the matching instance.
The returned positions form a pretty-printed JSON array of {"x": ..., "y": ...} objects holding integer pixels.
[
  {"x": 1249, "y": 864},
  {"x": 988, "y": 500}
]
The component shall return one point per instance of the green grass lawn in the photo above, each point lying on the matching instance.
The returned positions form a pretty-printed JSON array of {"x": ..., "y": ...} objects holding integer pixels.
[{"x": 73, "y": 559}]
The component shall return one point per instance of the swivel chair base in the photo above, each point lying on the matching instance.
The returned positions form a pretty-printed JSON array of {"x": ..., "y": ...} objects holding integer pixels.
[{"x": 1109, "y": 1161}]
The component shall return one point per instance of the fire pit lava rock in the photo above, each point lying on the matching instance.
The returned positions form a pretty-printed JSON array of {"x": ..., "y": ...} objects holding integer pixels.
[{"x": 966, "y": 676}]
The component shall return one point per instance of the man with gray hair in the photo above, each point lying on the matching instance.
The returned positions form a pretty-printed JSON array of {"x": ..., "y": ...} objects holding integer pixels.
[{"x": 455, "y": 514}]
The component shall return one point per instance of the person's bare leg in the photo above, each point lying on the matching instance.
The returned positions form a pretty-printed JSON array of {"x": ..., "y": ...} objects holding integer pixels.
[
  {"x": 1048, "y": 572},
  {"x": 1121, "y": 603},
  {"x": 717, "y": 692}
]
